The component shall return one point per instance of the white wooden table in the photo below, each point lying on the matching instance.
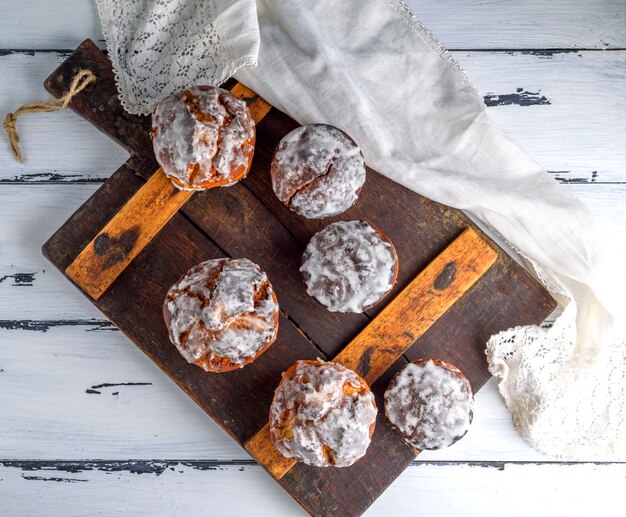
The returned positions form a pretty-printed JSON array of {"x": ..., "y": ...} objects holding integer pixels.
[{"x": 89, "y": 426}]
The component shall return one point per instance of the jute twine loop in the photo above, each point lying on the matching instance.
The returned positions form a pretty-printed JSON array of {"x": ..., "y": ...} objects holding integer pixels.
[{"x": 80, "y": 81}]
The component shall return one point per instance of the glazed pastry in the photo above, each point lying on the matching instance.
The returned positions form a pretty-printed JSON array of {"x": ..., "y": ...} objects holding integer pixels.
[
  {"x": 349, "y": 266},
  {"x": 222, "y": 314},
  {"x": 317, "y": 171},
  {"x": 203, "y": 137},
  {"x": 430, "y": 404},
  {"x": 323, "y": 414}
]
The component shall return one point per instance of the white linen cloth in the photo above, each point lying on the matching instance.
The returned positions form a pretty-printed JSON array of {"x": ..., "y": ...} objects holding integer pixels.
[{"x": 371, "y": 69}]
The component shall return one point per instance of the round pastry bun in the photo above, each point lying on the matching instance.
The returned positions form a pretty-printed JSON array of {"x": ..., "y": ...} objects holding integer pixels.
[
  {"x": 317, "y": 171},
  {"x": 203, "y": 137},
  {"x": 349, "y": 266},
  {"x": 222, "y": 314},
  {"x": 323, "y": 414},
  {"x": 430, "y": 404}
]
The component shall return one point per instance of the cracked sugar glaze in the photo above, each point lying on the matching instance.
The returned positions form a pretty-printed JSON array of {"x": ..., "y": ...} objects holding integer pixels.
[
  {"x": 222, "y": 311},
  {"x": 317, "y": 171},
  {"x": 323, "y": 414}
]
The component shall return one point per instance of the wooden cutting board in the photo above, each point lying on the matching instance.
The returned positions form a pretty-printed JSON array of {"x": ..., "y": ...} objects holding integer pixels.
[{"x": 247, "y": 220}]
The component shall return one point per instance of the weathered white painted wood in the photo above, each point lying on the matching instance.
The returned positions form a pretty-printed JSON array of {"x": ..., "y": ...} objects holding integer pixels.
[
  {"x": 45, "y": 411},
  {"x": 53, "y": 405},
  {"x": 459, "y": 24},
  {"x": 480, "y": 24},
  {"x": 59, "y": 143},
  {"x": 30, "y": 287},
  {"x": 605, "y": 200},
  {"x": 575, "y": 121},
  {"x": 71, "y": 359},
  {"x": 196, "y": 489},
  {"x": 142, "y": 421},
  {"x": 568, "y": 115},
  {"x": 184, "y": 491}
]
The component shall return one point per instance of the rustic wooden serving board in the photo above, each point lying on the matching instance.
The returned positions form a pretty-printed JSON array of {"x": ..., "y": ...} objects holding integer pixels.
[{"x": 247, "y": 220}]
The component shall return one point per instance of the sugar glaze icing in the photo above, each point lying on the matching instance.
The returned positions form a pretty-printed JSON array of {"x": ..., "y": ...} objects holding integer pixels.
[
  {"x": 348, "y": 266},
  {"x": 322, "y": 414}
]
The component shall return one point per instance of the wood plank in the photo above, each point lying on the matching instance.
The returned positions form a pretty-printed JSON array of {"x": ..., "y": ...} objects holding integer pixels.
[
  {"x": 419, "y": 483},
  {"x": 266, "y": 240},
  {"x": 545, "y": 102},
  {"x": 34, "y": 220},
  {"x": 130, "y": 302},
  {"x": 30, "y": 288},
  {"x": 277, "y": 252},
  {"x": 250, "y": 389},
  {"x": 258, "y": 106},
  {"x": 261, "y": 448},
  {"x": 429, "y": 224},
  {"x": 142, "y": 217},
  {"x": 56, "y": 148},
  {"x": 418, "y": 306},
  {"x": 578, "y": 135},
  {"x": 123, "y": 488},
  {"x": 432, "y": 227},
  {"x": 130, "y": 230},
  {"x": 238, "y": 211},
  {"x": 331, "y": 331},
  {"x": 332, "y": 491},
  {"x": 85, "y": 391},
  {"x": 461, "y": 24},
  {"x": 48, "y": 366}
]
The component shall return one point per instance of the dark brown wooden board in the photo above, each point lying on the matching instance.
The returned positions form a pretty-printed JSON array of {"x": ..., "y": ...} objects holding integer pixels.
[{"x": 247, "y": 220}]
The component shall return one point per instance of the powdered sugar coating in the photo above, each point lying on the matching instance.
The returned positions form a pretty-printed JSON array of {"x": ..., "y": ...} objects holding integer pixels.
[
  {"x": 430, "y": 403},
  {"x": 317, "y": 171},
  {"x": 322, "y": 414},
  {"x": 349, "y": 266},
  {"x": 222, "y": 313},
  {"x": 203, "y": 137}
]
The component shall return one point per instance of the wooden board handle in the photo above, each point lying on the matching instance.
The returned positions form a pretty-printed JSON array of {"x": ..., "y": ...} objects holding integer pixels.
[
  {"x": 138, "y": 222},
  {"x": 409, "y": 315}
]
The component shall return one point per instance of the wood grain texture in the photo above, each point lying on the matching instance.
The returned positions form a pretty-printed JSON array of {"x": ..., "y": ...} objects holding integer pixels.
[
  {"x": 51, "y": 348},
  {"x": 246, "y": 227},
  {"x": 466, "y": 24},
  {"x": 261, "y": 448},
  {"x": 250, "y": 389},
  {"x": 420, "y": 304},
  {"x": 134, "y": 411},
  {"x": 258, "y": 106},
  {"x": 432, "y": 227},
  {"x": 129, "y": 231},
  {"x": 155, "y": 203},
  {"x": 31, "y": 290},
  {"x": 242, "y": 225},
  {"x": 245, "y": 395},
  {"x": 129, "y": 487}
]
